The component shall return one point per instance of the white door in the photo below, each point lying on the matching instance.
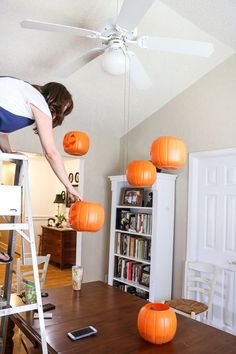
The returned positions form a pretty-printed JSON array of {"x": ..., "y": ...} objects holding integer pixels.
[{"x": 212, "y": 226}]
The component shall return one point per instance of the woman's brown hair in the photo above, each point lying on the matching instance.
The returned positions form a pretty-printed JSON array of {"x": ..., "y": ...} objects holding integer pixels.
[{"x": 59, "y": 101}]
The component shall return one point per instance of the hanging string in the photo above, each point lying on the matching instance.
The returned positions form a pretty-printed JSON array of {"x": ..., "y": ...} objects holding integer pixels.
[
  {"x": 126, "y": 109},
  {"x": 117, "y": 8},
  {"x": 126, "y": 112}
]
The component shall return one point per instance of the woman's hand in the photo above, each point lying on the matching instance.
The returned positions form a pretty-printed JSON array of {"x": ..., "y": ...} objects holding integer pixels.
[{"x": 74, "y": 194}]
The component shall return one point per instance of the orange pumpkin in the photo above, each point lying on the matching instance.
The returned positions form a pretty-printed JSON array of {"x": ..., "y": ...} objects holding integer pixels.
[
  {"x": 141, "y": 173},
  {"x": 168, "y": 152},
  {"x": 157, "y": 323},
  {"x": 76, "y": 143},
  {"x": 86, "y": 216}
]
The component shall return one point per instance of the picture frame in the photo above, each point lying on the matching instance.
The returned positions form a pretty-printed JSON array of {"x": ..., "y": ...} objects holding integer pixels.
[
  {"x": 132, "y": 196},
  {"x": 124, "y": 220},
  {"x": 68, "y": 200},
  {"x": 145, "y": 278},
  {"x": 148, "y": 203}
]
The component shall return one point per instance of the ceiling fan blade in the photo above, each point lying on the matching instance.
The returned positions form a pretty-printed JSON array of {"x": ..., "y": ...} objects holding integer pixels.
[
  {"x": 54, "y": 27},
  {"x": 81, "y": 61},
  {"x": 137, "y": 73},
  {"x": 181, "y": 46},
  {"x": 131, "y": 13}
]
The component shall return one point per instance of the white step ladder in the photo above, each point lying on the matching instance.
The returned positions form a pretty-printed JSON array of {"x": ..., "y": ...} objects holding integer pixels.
[{"x": 12, "y": 200}]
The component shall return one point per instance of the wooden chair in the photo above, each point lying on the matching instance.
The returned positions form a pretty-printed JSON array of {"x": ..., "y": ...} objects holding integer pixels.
[
  {"x": 29, "y": 347},
  {"x": 25, "y": 271},
  {"x": 199, "y": 287}
]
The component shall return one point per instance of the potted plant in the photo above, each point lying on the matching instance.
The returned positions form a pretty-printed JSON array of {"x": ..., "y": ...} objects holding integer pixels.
[{"x": 60, "y": 217}]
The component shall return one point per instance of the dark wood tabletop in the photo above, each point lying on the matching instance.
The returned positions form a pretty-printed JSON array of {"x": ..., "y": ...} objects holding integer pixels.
[{"x": 114, "y": 314}]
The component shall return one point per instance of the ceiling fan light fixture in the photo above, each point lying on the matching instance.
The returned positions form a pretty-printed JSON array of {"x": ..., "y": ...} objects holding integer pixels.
[{"x": 115, "y": 62}]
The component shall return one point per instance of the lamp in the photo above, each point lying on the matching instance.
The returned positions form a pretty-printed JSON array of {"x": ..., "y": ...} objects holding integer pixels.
[
  {"x": 59, "y": 199},
  {"x": 115, "y": 61}
]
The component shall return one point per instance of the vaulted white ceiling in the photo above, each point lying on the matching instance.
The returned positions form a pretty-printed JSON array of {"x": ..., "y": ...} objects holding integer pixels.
[{"x": 103, "y": 103}]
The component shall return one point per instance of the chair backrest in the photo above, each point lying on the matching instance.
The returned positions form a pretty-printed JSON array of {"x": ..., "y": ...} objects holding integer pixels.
[
  {"x": 200, "y": 282},
  {"x": 24, "y": 270}
]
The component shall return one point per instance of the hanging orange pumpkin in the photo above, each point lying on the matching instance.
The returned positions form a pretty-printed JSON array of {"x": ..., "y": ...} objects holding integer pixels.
[
  {"x": 157, "y": 323},
  {"x": 76, "y": 143},
  {"x": 141, "y": 173},
  {"x": 86, "y": 216},
  {"x": 168, "y": 152}
]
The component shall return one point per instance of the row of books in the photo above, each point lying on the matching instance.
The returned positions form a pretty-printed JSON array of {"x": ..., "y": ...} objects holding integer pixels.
[
  {"x": 135, "y": 222},
  {"x": 129, "y": 270},
  {"x": 133, "y": 246},
  {"x": 131, "y": 289}
]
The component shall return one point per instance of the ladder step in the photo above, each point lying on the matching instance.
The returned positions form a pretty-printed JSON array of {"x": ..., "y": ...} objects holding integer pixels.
[
  {"x": 12, "y": 157},
  {"x": 18, "y": 309},
  {"x": 9, "y": 226}
]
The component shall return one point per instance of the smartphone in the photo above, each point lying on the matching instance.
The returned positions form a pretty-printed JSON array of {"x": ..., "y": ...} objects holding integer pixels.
[
  {"x": 47, "y": 307},
  {"x": 82, "y": 332}
]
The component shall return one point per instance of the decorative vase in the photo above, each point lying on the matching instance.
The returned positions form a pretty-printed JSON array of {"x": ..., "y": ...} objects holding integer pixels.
[{"x": 157, "y": 323}]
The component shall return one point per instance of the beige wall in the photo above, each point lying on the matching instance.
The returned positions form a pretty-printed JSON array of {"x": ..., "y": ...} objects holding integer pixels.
[
  {"x": 204, "y": 116},
  {"x": 102, "y": 161}
]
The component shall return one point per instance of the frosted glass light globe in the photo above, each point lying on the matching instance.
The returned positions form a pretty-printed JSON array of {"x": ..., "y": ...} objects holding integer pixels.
[{"x": 115, "y": 62}]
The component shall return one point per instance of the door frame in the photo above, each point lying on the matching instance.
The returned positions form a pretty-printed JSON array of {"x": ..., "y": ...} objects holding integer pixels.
[{"x": 194, "y": 158}]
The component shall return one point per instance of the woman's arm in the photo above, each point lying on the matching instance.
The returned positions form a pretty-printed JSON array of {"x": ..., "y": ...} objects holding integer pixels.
[{"x": 44, "y": 127}]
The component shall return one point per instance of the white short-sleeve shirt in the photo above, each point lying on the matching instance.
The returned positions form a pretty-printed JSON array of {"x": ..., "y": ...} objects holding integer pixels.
[{"x": 15, "y": 98}]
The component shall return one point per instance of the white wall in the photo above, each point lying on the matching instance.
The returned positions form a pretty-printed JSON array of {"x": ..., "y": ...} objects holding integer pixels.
[{"x": 204, "y": 116}]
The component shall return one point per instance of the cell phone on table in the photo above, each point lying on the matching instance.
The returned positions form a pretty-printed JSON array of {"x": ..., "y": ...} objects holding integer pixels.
[
  {"x": 82, "y": 332},
  {"x": 47, "y": 307}
]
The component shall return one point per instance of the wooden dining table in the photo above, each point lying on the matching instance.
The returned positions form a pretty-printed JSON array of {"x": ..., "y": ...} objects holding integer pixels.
[{"x": 114, "y": 314}]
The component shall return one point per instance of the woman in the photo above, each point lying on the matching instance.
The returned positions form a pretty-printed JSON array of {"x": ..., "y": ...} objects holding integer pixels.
[{"x": 23, "y": 104}]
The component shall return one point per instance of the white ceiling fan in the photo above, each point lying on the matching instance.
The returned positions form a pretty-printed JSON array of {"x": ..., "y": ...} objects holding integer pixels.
[{"x": 117, "y": 58}]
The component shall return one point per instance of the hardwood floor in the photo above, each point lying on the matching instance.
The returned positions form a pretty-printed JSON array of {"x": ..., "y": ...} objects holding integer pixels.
[{"x": 55, "y": 278}]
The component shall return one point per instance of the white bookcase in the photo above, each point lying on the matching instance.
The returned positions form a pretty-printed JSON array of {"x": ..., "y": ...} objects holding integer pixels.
[{"x": 154, "y": 240}]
